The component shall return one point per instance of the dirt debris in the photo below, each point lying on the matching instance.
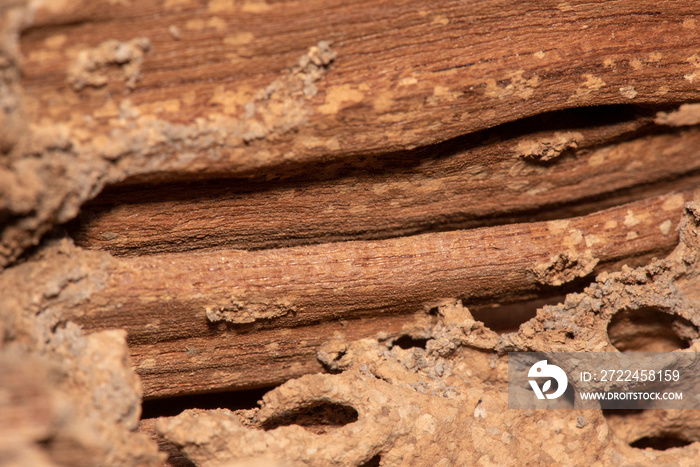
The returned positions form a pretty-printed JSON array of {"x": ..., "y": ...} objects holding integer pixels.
[
  {"x": 90, "y": 67},
  {"x": 686, "y": 115},
  {"x": 74, "y": 398},
  {"x": 280, "y": 106},
  {"x": 245, "y": 310},
  {"x": 581, "y": 322},
  {"x": 565, "y": 267},
  {"x": 547, "y": 148}
]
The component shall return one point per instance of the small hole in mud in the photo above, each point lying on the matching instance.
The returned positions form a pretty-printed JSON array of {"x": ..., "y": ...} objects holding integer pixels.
[
  {"x": 660, "y": 443},
  {"x": 621, "y": 413},
  {"x": 232, "y": 400},
  {"x": 652, "y": 429},
  {"x": 508, "y": 318},
  {"x": 317, "y": 418},
  {"x": 408, "y": 342},
  {"x": 650, "y": 329},
  {"x": 373, "y": 462}
]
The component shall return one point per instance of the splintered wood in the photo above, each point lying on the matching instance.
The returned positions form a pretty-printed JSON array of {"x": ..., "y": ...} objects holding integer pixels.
[{"x": 457, "y": 191}]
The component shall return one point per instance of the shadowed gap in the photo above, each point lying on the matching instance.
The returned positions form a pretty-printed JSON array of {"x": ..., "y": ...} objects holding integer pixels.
[{"x": 232, "y": 400}]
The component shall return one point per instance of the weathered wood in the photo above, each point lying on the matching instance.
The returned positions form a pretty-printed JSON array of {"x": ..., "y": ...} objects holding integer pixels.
[
  {"x": 253, "y": 89},
  {"x": 180, "y": 90},
  {"x": 484, "y": 185},
  {"x": 338, "y": 126},
  {"x": 210, "y": 300},
  {"x": 233, "y": 359},
  {"x": 221, "y": 89}
]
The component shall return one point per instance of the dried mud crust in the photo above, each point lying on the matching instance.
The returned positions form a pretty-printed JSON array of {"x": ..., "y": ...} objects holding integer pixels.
[
  {"x": 67, "y": 397},
  {"x": 433, "y": 396},
  {"x": 442, "y": 402}
]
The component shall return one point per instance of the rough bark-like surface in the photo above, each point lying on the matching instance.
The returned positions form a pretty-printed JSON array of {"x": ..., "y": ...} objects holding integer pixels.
[
  {"x": 387, "y": 90},
  {"x": 441, "y": 190},
  {"x": 109, "y": 93}
]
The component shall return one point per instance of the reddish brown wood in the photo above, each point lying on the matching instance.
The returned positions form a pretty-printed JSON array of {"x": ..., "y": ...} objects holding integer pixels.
[
  {"x": 484, "y": 185},
  {"x": 181, "y": 90},
  {"x": 167, "y": 91},
  {"x": 404, "y": 74},
  {"x": 240, "y": 359},
  {"x": 238, "y": 305}
]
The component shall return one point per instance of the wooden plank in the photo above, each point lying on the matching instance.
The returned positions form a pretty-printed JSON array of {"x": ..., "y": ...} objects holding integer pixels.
[
  {"x": 233, "y": 359},
  {"x": 431, "y": 194},
  {"x": 211, "y": 300},
  {"x": 221, "y": 89}
]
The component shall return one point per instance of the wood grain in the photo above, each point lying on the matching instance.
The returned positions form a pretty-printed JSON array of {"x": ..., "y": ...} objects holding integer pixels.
[
  {"x": 405, "y": 75},
  {"x": 331, "y": 121},
  {"x": 105, "y": 93},
  {"x": 485, "y": 185},
  {"x": 236, "y": 303}
]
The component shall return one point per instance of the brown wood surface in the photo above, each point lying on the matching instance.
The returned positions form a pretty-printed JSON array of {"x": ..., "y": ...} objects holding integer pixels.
[
  {"x": 326, "y": 120},
  {"x": 485, "y": 185},
  {"x": 275, "y": 300},
  {"x": 239, "y": 359},
  {"x": 102, "y": 93},
  {"x": 405, "y": 75}
]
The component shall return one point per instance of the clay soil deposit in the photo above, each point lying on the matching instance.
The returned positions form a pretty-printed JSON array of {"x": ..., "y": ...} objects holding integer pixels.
[{"x": 308, "y": 233}]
